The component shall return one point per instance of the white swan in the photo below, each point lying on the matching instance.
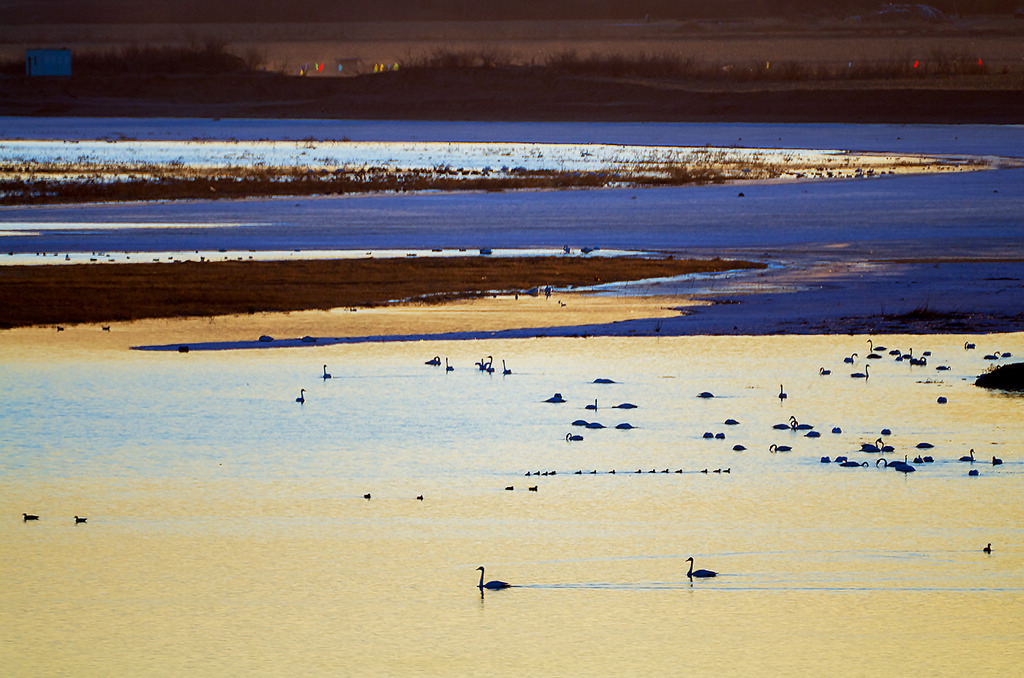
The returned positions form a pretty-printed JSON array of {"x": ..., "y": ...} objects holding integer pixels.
[{"x": 493, "y": 585}]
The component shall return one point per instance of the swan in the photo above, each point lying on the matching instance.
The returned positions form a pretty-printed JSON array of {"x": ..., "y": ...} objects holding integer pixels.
[
  {"x": 625, "y": 426},
  {"x": 604, "y": 381},
  {"x": 592, "y": 407},
  {"x": 826, "y": 460},
  {"x": 493, "y": 585},
  {"x": 302, "y": 396},
  {"x": 812, "y": 434},
  {"x": 901, "y": 466},
  {"x": 595, "y": 424},
  {"x": 326, "y": 374},
  {"x": 968, "y": 458},
  {"x": 436, "y": 360},
  {"x": 580, "y": 422},
  {"x": 625, "y": 406},
  {"x": 731, "y": 422},
  {"x": 447, "y": 367},
  {"x": 924, "y": 446},
  {"x": 25, "y": 517},
  {"x": 836, "y": 429},
  {"x": 927, "y": 459},
  {"x": 738, "y": 448},
  {"x": 504, "y": 370},
  {"x": 941, "y": 400},
  {"x": 996, "y": 461},
  {"x": 691, "y": 573},
  {"x": 557, "y": 398},
  {"x": 852, "y": 464},
  {"x": 573, "y": 437},
  {"x": 860, "y": 375},
  {"x": 779, "y": 448},
  {"x": 79, "y": 520},
  {"x": 823, "y": 372},
  {"x": 782, "y": 393},
  {"x": 797, "y": 426},
  {"x": 849, "y": 359},
  {"x": 973, "y": 472},
  {"x": 968, "y": 346},
  {"x": 988, "y": 549},
  {"x": 708, "y": 435},
  {"x": 872, "y": 447},
  {"x": 705, "y": 394}
]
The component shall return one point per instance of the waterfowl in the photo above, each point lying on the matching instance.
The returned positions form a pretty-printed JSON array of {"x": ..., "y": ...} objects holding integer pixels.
[
  {"x": 968, "y": 346},
  {"x": 705, "y": 394},
  {"x": 571, "y": 437},
  {"x": 557, "y": 398},
  {"x": 25, "y": 517},
  {"x": 532, "y": 488},
  {"x": 782, "y": 393},
  {"x": 731, "y": 422},
  {"x": 580, "y": 422},
  {"x": 447, "y": 367},
  {"x": 901, "y": 466},
  {"x": 595, "y": 424},
  {"x": 941, "y": 400},
  {"x": 738, "y": 448},
  {"x": 996, "y": 461},
  {"x": 719, "y": 436},
  {"x": 826, "y": 460},
  {"x": 850, "y": 358},
  {"x": 367, "y": 496},
  {"x": 505, "y": 370},
  {"x": 302, "y": 396},
  {"x": 436, "y": 360},
  {"x": 592, "y": 407},
  {"x": 708, "y": 435},
  {"x": 924, "y": 446},
  {"x": 779, "y": 448},
  {"x": 493, "y": 585},
  {"x": 852, "y": 464},
  {"x": 968, "y": 458},
  {"x": 625, "y": 406},
  {"x": 691, "y": 573},
  {"x": 823, "y": 372},
  {"x": 326, "y": 375},
  {"x": 988, "y": 548},
  {"x": 79, "y": 520},
  {"x": 860, "y": 375},
  {"x": 604, "y": 381},
  {"x": 973, "y": 472},
  {"x": 836, "y": 429},
  {"x": 624, "y": 426}
]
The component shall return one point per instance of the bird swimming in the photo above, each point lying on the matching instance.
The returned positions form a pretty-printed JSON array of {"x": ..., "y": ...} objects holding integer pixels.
[
  {"x": 988, "y": 549},
  {"x": 504, "y": 370},
  {"x": 592, "y": 407},
  {"x": 493, "y": 585},
  {"x": 557, "y": 398},
  {"x": 849, "y": 359},
  {"x": 691, "y": 573},
  {"x": 823, "y": 372},
  {"x": 968, "y": 458},
  {"x": 571, "y": 437},
  {"x": 860, "y": 375},
  {"x": 79, "y": 520},
  {"x": 326, "y": 375},
  {"x": 447, "y": 367},
  {"x": 436, "y": 360},
  {"x": 302, "y": 396},
  {"x": 25, "y": 517},
  {"x": 782, "y": 393}
]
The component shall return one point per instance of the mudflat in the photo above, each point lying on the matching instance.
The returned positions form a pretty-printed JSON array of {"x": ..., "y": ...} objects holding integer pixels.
[{"x": 38, "y": 295}]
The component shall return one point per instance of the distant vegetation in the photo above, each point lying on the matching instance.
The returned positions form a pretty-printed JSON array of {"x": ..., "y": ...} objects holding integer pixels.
[
  {"x": 675, "y": 67},
  {"x": 208, "y": 59}
]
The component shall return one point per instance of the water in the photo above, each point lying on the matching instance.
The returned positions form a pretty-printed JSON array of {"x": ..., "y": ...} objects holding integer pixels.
[{"x": 228, "y": 533}]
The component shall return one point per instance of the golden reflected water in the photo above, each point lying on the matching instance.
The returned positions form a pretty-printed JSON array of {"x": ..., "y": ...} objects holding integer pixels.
[{"x": 227, "y": 531}]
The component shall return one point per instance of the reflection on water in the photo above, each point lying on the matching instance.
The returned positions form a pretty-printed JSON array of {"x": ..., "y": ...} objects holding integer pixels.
[{"x": 228, "y": 533}]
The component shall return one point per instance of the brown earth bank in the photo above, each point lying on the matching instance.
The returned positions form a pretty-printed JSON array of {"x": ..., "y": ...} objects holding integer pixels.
[
  {"x": 39, "y": 295},
  {"x": 516, "y": 94}
]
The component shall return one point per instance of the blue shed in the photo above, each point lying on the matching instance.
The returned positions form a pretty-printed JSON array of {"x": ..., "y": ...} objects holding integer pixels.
[{"x": 48, "y": 62}]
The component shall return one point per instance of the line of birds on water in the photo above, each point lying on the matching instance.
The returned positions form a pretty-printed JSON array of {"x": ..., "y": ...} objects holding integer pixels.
[
  {"x": 497, "y": 584},
  {"x": 26, "y": 517}
]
